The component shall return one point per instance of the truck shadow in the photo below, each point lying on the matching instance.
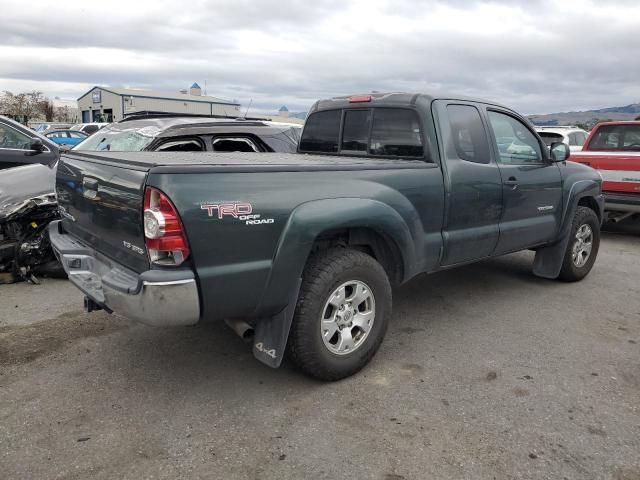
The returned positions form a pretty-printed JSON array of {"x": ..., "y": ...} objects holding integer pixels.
[
  {"x": 183, "y": 358},
  {"x": 629, "y": 226}
]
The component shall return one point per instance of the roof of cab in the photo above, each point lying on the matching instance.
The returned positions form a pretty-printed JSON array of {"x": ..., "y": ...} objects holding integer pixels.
[{"x": 391, "y": 98}]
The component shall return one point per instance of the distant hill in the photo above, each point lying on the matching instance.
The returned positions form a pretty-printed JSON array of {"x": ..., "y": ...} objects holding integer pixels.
[
  {"x": 300, "y": 115},
  {"x": 588, "y": 118}
]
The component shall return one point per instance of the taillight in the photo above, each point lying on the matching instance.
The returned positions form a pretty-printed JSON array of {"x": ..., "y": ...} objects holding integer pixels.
[{"x": 164, "y": 235}]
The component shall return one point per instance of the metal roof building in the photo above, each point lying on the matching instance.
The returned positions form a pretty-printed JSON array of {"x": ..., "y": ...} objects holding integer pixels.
[{"x": 109, "y": 104}]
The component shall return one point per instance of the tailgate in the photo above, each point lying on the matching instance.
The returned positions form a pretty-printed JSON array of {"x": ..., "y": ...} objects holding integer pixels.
[
  {"x": 620, "y": 170},
  {"x": 101, "y": 204}
]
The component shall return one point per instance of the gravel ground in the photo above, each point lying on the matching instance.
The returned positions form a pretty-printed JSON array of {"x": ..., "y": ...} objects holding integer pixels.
[{"x": 486, "y": 372}]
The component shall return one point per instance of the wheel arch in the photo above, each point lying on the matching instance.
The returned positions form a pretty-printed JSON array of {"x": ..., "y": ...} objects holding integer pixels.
[
  {"x": 590, "y": 202},
  {"x": 367, "y": 225},
  {"x": 548, "y": 260}
]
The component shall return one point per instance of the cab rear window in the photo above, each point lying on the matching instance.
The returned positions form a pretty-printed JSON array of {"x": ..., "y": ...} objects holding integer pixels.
[
  {"x": 321, "y": 132},
  {"x": 549, "y": 137},
  {"x": 385, "y": 132}
]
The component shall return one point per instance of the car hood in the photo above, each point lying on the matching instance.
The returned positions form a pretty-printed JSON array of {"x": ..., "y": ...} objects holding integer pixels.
[{"x": 24, "y": 186}]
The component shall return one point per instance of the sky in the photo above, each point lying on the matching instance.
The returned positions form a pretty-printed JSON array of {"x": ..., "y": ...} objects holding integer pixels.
[{"x": 537, "y": 56}]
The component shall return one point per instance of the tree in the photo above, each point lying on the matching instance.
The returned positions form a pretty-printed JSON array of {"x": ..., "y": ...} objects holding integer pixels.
[
  {"x": 22, "y": 106},
  {"x": 638, "y": 117},
  {"x": 63, "y": 114},
  {"x": 47, "y": 109}
]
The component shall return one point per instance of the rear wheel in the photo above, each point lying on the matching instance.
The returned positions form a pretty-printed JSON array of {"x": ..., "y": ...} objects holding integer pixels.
[
  {"x": 582, "y": 249},
  {"x": 342, "y": 314}
]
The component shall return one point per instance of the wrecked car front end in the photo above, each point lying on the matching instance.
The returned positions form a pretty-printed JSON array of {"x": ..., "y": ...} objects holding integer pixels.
[{"x": 27, "y": 206}]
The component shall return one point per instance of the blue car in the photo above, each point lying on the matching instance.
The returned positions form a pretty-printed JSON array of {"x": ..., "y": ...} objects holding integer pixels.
[{"x": 66, "y": 137}]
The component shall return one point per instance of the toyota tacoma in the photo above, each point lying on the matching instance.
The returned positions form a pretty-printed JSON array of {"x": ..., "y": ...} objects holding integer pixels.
[{"x": 303, "y": 249}]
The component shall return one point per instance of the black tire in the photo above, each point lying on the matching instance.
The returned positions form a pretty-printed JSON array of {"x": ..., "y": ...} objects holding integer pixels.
[
  {"x": 571, "y": 272},
  {"x": 325, "y": 272}
]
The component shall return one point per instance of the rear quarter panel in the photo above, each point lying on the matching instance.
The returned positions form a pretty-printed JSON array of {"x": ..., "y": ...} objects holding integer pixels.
[{"x": 233, "y": 260}]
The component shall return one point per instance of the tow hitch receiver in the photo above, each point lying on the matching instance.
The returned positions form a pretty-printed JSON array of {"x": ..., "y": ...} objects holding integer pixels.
[{"x": 90, "y": 305}]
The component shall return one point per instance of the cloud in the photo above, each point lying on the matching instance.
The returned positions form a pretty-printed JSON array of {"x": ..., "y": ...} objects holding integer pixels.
[{"x": 536, "y": 56}]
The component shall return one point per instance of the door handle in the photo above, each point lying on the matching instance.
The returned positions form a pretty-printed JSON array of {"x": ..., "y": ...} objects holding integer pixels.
[{"x": 512, "y": 181}]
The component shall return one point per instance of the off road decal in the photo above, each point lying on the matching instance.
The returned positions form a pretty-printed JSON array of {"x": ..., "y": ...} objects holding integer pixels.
[{"x": 241, "y": 211}]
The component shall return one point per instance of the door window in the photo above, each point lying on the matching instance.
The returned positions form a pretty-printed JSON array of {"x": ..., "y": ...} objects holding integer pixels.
[
  {"x": 468, "y": 138},
  {"x": 11, "y": 138},
  {"x": 580, "y": 138},
  {"x": 573, "y": 140},
  {"x": 515, "y": 142}
]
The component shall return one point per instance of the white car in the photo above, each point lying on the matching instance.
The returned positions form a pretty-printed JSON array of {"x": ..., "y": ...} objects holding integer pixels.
[
  {"x": 89, "y": 128},
  {"x": 572, "y": 136}
]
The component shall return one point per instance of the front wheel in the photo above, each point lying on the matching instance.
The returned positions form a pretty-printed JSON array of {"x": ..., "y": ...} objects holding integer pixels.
[
  {"x": 582, "y": 249},
  {"x": 342, "y": 314}
]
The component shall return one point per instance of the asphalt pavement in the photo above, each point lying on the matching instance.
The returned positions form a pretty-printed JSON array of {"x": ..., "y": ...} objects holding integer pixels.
[{"x": 486, "y": 372}]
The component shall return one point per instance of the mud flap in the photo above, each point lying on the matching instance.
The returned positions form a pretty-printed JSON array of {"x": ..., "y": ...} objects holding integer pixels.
[
  {"x": 548, "y": 260},
  {"x": 271, "y": 335}
]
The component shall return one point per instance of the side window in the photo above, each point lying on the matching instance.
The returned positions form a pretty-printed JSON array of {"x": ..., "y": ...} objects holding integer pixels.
[
  {"x": 515, "y": 142},
  {"x": 181, "y": 145},
  {"x": 580, "y": 138},
  {"x": 355, "y": 133},
  {"x": 11, "y": 138},
  {"x": 238, "y": 144},
  {"x": 468, "y": 137},
  {"x": 321, "y": 132},
  {"x": 396, "y": 132},
  {"x": 631, "y": 139},
  {"x": 572, "y": 139}
]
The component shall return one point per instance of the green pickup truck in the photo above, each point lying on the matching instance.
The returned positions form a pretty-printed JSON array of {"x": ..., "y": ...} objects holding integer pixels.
[{"x": 299, "y": 252}]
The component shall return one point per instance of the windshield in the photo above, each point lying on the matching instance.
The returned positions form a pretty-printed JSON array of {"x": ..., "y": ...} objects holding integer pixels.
[
  {"x": 617, "y": 137},
  {"x": 119, "y": 138},
  {"x": 548, "y": 138}
]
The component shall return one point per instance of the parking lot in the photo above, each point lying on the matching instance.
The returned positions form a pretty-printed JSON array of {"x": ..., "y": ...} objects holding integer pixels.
[{"x": 486, "y": 372}]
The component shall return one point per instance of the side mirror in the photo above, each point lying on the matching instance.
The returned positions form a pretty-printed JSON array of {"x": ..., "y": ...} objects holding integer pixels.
[
  {"x": 36, "y": 145},
  {"x": 560, "y": 152}
]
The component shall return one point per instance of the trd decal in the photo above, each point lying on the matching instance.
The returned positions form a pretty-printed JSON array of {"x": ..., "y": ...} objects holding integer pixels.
[
  {"x": 238, "y": 210},
  {"x": 227, "y": 209}
]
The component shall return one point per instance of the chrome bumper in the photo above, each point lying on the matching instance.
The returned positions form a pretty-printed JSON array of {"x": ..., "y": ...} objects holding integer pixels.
[{"x": 156, "y": 297}]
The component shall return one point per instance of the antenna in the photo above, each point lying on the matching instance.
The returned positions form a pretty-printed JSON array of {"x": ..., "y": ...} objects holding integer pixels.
[
  {"x": 205, "y": 88},
  {"x": 248, "y": 107}
]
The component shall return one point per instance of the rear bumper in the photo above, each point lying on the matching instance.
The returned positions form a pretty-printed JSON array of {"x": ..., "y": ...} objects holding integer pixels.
[
  {"x": 620, "y": 202},
  {"x": 155, "y": 297}
]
